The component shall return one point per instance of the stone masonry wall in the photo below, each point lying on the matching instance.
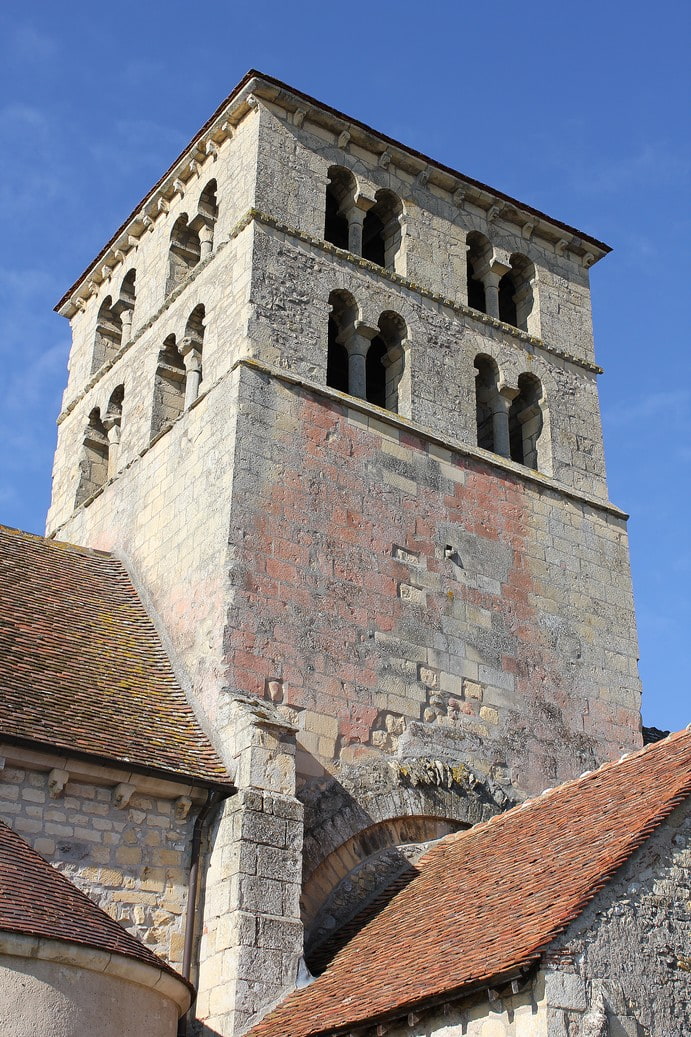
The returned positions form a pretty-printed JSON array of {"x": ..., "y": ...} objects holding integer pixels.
[
  {"x": 132, "y": 861},
  {"x": 293, "y": 164},
  {"x": 291, "y": 284},
  {"x": 168, "y": 513},
  {"x": 628, "y": 956},
  {"x": 234, "y": 169},
  {"x": 402, "y": 598}
]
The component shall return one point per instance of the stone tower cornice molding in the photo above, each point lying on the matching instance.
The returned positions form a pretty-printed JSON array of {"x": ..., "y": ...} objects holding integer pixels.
[{"x": 300, "y": 109}]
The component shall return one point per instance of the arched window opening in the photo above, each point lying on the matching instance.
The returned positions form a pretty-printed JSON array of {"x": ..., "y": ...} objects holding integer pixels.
[
  {"x": 112, "y": 423},
  {"x": 108, "y": 334},
  {"x": 93, "y": 466},
  {"x": 344, "y": 312},
  {"x": 386, "y": 361},
  {"x": 507, "y": 301},
  {"x": 205, "y": 221},
  {"x": 381, "y": 230},
  {"x": 191, "y": 351},
  {"x": 337, "y": 360},
  {"x": 478, "y": 258},
  {"x": 340, "y": 199},
  {"x": 526, "y": 421},
  {"x": 185, "y": 252},
  {"x": 523, "y": 276},
  {"x": 486, "y": 401},
  {"x": 125, "y": 304},
  {"x": 376, "y": 372},
  {"x": 169, "y": 387}
]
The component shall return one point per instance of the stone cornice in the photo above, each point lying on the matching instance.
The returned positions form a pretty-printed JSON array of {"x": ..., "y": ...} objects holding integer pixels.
[
  {"x": 301, "y": 109},
  {"x": 93, "y": 959},
  {"x": 93, "y": 771}
]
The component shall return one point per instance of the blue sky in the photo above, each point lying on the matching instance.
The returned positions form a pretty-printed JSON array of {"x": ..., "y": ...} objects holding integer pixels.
[{"x": 580, "y": 110}]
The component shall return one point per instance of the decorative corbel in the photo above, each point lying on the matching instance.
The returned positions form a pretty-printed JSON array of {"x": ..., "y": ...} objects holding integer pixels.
[
  {"x": 343, "y": 140},
  {"x": 495, "y": 211},
  {"x": 119, "y": 255},
  {"x": 122, "y": 794},
  {"x": 561, "y": 246},
  {"x": 458, "y": 197},
  {"x": 299, "y": 116},
  {"x": 194, "y": 167},
  {"x": 385, "y": 159},
  {"x": 57, "y": 779},
  {"x": 162, "y": 205},
  {"x": 252, "y": 101},
  {"x": 178, "y": 186},
  {"x": 148, "y": 222},
  {"x": 182, "y": 807},
  {"x": 588, "y": 260},
  {"x": 527, "y": 229},
  {"x": 211, "y": 148},
  {"x": 91, "y": 288},
  {"x": 132, "y": 241},
  {"x": 106, "y": 271},
  {"x": 422, "y": 178},
  {"x": 228, "y": 129},
  {"x": 79, "y": 303}
]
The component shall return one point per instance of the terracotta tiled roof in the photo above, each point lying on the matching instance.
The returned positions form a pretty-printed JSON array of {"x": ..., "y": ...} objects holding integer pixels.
[
  {"x": 82, "y": 667},
  {"x": 36, "y": 900},
  {"x": 487, "y": 900}
]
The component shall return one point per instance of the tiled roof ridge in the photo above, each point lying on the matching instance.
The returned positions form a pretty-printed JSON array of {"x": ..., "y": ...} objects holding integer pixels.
[
  {"x": 67, "y": 910},
  {"x": 539, "y": 798}
]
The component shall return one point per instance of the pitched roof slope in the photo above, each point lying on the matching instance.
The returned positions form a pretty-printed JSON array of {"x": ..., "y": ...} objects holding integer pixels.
[
  {"x": 82, "y": 667},
  {"x": 488, "y": 899},
  {"x": 36, "y": 900}
]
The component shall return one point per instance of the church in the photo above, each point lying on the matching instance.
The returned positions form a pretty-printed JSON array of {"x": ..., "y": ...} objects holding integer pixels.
[{"x": 320, "y": 707}]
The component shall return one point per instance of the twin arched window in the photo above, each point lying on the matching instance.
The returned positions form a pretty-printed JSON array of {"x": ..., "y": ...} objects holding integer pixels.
[
  {"x": 505, "y": 293},
  {"x": 510, "y": 420},
  {"x": 367, "y": 362},
  {"x": 367, "y": 227},
  {"x": 101, "y": 446},
  {"x": 114, "y": 323},
  {"x": 192, "y": 240}
]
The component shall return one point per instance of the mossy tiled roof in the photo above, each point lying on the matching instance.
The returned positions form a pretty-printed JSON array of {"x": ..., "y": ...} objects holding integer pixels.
[
  {"x": 488, "y": 900},
  {"x": 81, "y": 665}
]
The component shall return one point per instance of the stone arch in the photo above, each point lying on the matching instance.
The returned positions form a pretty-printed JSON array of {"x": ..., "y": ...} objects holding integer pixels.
[
  {"x": 341, "y": 189},
  {"x": 382, "y": 231},
  {"x": 93, "y": 465},
  {"x": 112, "y": 422},
  {"x": 386, "y": 361},
  {"x": 204, "y": 222},
  {"x": 516, "y": 294},
  {"x": 344, "y": 311},
  {"x": 169, "y": 387},
  {"x": 527, "y": 423},
  {"x": 358, "y": 873},
  {"x": 125, "y": 304},
  {"x": 191, "y": 349},
  {"x": 108, "y": 337},
  {"x": 375, "y": 825},
  {"x": 486, "y": 400},
  {"x": 184, "y": 252},
  {"x": 478, "y": 260}
]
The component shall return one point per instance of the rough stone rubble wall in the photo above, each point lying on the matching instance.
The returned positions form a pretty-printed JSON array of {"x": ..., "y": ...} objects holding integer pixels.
[
  {"x": 132, "y": 862},
  {"x": 516, "y": 653},
  {"x": 627, "y": 958}
]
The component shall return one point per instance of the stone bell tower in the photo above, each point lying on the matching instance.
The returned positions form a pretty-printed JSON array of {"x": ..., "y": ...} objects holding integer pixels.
[{"x": 335, "y": 405}]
